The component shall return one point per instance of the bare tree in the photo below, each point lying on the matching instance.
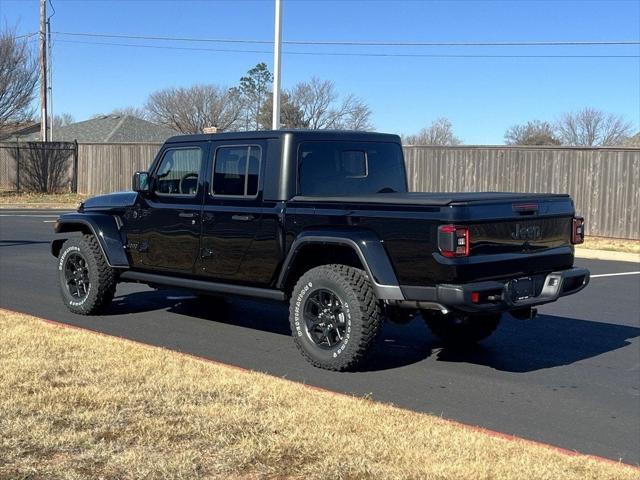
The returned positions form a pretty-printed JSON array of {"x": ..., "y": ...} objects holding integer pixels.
[
  {"x": 535, "y": 132},
  {"x": 137, "y": 112},
  {"x": 592, "y": 127},
  {"x": 43, "y": 166},
  {"x": 358, "y": 115},
  {"x": 190, "y": 110},
  {"x": 319, "y": 103},
  {"x": 440, "y": 132},
  {"x": 18, "y": 78},
  {"x": 63, "y": 120}
]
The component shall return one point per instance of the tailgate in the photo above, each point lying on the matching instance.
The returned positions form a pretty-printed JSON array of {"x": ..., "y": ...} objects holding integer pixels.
[
  {"x": 524, "y": 225},
  {"x": 514, "y": 238}
]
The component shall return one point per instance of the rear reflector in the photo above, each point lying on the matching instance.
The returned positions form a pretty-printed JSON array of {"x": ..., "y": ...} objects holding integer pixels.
[
  {"x": 453, "y": 240},
  {"x": 577, "y": 231},
  {"x": 475, "y": 297}
]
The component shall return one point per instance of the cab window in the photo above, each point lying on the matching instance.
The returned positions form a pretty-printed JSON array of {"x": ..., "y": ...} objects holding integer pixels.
[
  {"x": 178, "y": 172},
  {"x": 237, "y": 171}
]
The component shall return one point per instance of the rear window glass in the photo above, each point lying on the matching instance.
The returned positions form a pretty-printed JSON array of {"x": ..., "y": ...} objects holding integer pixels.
[{"x": 350, "y": 168}]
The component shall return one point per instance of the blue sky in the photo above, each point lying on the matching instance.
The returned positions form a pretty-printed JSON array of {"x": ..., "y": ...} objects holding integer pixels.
[{"x": 481, "y": 96}]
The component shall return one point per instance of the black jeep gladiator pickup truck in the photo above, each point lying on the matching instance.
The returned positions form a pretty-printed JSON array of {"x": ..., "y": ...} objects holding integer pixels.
[{"x": 324, "y": 221}]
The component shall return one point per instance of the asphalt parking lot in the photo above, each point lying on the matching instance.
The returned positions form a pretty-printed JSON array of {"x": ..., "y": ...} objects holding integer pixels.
[{"x": 569, "y": 378}]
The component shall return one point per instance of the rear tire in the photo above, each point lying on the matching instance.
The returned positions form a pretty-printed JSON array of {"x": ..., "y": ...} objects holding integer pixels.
[
  {"x": 335, "y": 316},
  {"x": 461, "y": 329},
  {"x": 87, "y": 282}
]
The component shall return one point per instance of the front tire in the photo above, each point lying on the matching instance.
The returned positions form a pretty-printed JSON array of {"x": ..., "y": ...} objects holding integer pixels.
[
  {"x": 461, "y": 329},
  {"x": 335, "y": 316},
  {"x": 87, "y": 282}
]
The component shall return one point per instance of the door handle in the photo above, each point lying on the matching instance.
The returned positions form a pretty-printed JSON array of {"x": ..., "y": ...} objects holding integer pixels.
[
  {"x": 191, "y": 215},
  {"x": 242, "y": 218}
]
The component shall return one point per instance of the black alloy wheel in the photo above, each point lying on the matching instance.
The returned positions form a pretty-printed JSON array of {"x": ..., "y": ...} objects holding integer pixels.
[
  {"x": 76, "y": 273},
  {"x": 325, "y": 319}
]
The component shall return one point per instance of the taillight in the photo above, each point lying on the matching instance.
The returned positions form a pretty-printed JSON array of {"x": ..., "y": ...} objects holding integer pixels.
[
  {"x": 577, "y": 230},
  {"x": 453, "y": 240}
]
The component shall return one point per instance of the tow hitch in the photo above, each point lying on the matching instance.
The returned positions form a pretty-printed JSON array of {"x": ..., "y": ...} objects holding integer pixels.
[{"x": 527, "y": 313}]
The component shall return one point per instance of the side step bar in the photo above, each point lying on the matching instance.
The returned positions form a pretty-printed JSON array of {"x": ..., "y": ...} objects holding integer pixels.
[{"x": 202, "y": 285}]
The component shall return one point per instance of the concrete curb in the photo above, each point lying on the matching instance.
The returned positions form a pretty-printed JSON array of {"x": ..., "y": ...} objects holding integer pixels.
[{"x": 607, "y": 255}]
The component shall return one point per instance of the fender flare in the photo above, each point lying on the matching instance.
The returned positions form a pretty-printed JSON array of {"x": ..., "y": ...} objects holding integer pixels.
[
  {"x": 104, "y": 227},
  {"x": 366, "y": 245}
]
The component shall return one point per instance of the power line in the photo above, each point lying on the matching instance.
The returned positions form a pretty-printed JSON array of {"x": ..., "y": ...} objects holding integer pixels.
[
  {"x": 362, "y": 43},
  {"x": 346, "y": 54},
  {"x": 27, "y": 35}
]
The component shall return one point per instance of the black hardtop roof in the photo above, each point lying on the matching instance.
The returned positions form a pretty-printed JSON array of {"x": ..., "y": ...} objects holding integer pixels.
[{"x": 301, "y": 135}]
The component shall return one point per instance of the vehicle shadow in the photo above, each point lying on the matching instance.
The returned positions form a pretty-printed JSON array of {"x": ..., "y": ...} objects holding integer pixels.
[
  {"x": 266, "y": 316},
  {"x": 517, "y": 346},
  {"x": 394, "y": 347},
  {"x": 546, "y": 342}
]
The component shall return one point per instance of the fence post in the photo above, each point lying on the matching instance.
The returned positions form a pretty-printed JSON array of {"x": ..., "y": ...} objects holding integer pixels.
[
  {"x": 18, "y": 166},
  {"x": 74, "y": 180}
]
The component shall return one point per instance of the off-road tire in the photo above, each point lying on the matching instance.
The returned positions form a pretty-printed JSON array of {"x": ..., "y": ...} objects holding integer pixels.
[
  {"x": 361, "y": 310},
  {"x": 101, "y": 276},
  {"x": 461, "y": 329}
]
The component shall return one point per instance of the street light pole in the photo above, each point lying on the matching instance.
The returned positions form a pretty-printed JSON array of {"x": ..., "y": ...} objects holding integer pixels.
[{"x": 276, "y": 66}]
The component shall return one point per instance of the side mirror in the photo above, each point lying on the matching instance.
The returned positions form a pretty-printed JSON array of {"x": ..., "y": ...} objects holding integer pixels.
[{"x": 140, "y": 182}]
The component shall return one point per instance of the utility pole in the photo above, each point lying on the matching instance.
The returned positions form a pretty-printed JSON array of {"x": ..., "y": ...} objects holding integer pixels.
[
  {"x": 50, "y": 79},
  {"x": 276, "y": 66},
  {"x": 43, "y": 71}
]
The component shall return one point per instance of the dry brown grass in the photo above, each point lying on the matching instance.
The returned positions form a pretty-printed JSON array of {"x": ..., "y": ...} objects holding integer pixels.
[
  {"x": 80, "y": 405},
  {"x": 611, "y": 244},
  {"x": 40, "y": 200}
]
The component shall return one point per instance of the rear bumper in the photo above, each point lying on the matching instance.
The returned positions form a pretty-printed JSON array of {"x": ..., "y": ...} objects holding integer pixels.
[{"x": 495, "y": 296}]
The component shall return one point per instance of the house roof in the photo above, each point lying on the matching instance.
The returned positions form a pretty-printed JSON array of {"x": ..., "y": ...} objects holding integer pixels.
[
  {"x": 110, "y": 129},
  {"x": 13, "y": 130},
  {"x": 633, "y": 141}
]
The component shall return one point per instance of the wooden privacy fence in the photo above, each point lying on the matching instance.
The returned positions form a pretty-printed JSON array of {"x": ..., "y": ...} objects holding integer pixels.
[
  {"x": 604, "y": 182},
  {"x": 108, "y": 167},
  {"x": 101, "y": 167},
  {"x": 38, "y": 166}
]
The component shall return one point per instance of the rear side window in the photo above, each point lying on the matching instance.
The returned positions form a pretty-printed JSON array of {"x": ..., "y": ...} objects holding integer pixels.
[
  {"x": 350, "y": 168},
  {"x": 178, "y": 172},
  {"x": 237, "y": 171}
]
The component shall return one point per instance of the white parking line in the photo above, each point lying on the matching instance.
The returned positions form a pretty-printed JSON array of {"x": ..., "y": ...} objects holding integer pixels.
[
  {"x": 25, "y": 215},
  {"x": 49, "y": 221},
  {"x": 614, "y": 274}
]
